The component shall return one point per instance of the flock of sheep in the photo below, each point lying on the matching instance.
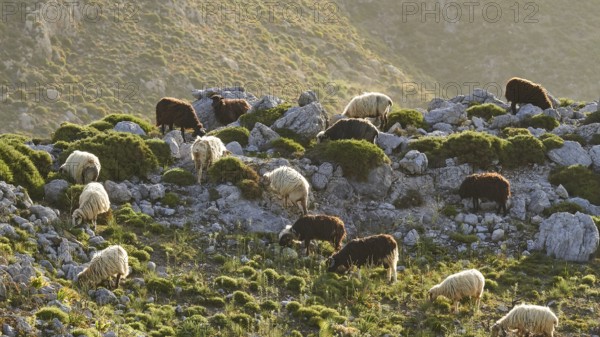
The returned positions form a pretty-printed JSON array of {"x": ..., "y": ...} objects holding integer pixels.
[{"x": 381, "y": 249}]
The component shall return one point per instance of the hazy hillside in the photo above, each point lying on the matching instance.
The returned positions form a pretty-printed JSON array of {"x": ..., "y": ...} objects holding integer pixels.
[
  {"x": 72, "y": 63},
  {"x": 549, "y": 42}
]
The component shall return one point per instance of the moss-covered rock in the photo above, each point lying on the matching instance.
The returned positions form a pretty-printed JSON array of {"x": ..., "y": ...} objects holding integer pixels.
[
  {"x": 122, "y": 155},
  {"x": 69, "y": 132},
  {"x": 266, "y": 117},
  {"x": 486, "y": 111},
  {"x": 232, "y": 134},
  {"x": 356, "y": 157}
]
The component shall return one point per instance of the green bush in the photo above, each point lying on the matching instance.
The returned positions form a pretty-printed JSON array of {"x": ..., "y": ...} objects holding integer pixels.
[
  {"x": 170, "y": 200},
  {"x": 266, "y": 117},
  {"x": 511, "y": 132},
  {"x": 231, "y": 169},
  {"x": 116, "y": 118},
  {"x": 161, "y": 151},
  {"x": 564, "y": 206},
  {"x": 287, "y": 147},
  {"x": 523, "y": 150},
  {"x": 578, "y": 181},
  {"x": 23, "y": 170},
  {"x": 50, "y": 313},
  {"x": 250, "y": 189},
  {"x": 232, "y": 134},
  {"x": 356, "y": 157},
  {"x": 575, "y": 138},
  {"x": 101, "y": 125},
  {"x": 551, "y": 141},
  {"x": 540, "y": 121},
  {"x": 241, "y": 297},
  {"x": 69, "y": 132},
  {"x": 179, "y": 176},
  {"x": 433, "y": 149},
  {"x": 69, "y": 199},
  {"x": 565, "y": 102},
  {"x": 595, "y": 139},
  {"x": 122, "y": 155},
  {"x": 5, "y": 172},
  {"x": 486, "y": 111},
  {"x": 477, "y": 148},
  {"x": 41, "y": 159},
  {"x": 406, "y": 117},
  {"x": 160, "y": 285},
  {"x": 593, "y": 117},
  {"x": 125, "y": 215},
  {"x": 289, "y": 134}
]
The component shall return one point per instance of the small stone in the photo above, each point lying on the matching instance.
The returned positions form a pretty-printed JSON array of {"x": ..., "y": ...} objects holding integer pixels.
[{"x": 497, "y": 235}]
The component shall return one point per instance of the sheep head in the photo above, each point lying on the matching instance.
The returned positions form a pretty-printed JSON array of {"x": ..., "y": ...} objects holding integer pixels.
[
  {"x": 217, "y": 100},
  {"x": 497, "y": 331},
  {"x": 287, "y": 236},
  {"x": 199, "y": 131},
  {"x": 432, "y": 293},
  {"x": 77, "y": 218},
  {"x": 321, "y": 137},
  {"x": 336, "y": 266}
]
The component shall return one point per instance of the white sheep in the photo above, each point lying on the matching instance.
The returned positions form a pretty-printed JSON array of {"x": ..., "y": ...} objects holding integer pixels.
[
  {"x": 527, "y": 318},
  {"x": 468, "y": 283},
  {"x": 369, "y": 104},
  {"x": 83, "y": 167},
  {"x": 290, "y": 184},
  {"x": 92, "y": 201},
  {"x": 205, "y": 151},
  {"x": 104, "y": 265}
]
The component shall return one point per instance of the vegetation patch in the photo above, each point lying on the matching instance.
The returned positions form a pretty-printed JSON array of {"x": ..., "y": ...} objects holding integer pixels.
[
  {"x": 178, "y": 176},
  {"x": 485, "y": 111},
  {"x": 540, "y": 121},
  {"x": 564, "y": 206},
  {"x": 523, "y": 150},
  {"x": 113, "y": 119},
  {"x": 69, "y": 132},
  {"x": 412, "y": 198},
  {"x": 232, "y": 134},
  {"x": 123, "y": 155},
  {"x": 591, "y": 118},
  {"x": 477, "y": 148},
  {"x": 578, "y": 181},
  {"x": 433, "y": 149},
  {"x": 266, "y": 117},
  {"x": 40, "y": 159},
  {"x": 575, "y": 138},
  {"x": 356, "y": 157},
  {"x": 22, "y": 170},
  {"x": 101, "y": 125},
  {"x": 286, "y": 147},
  {"x": 50, "y": 313},
  {"x": 551, "y": 141},
  {"x": 511, "y": 132},
  {"x": 406, "y": 118},
  {"x": 161, "y": 151}
]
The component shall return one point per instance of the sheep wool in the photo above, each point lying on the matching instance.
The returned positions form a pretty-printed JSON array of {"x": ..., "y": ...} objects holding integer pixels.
[
  {"x": 489, "y": 185},
  {"x": 350, "y": 128},
  {"x": 527, "y": 319},
  {"x": 83, "y": 167},
  {"x": 92, "y": 201},
  {"x": 520, "y": 90},
  {"x": 172, "y": 111},
  {"x": 370, "y": 104},
  {"x": 467, "y": 283},
  {"x": 290, "y": 184},
  {"x": 112, "y": 261},
  {"x": 228, "y": 110},
  {"x": 205, "y": 152},
  {"x": 319, "y": 227}
]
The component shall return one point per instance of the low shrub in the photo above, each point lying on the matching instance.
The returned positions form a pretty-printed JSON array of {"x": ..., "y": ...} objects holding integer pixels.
[
  {"x": 70, "y": 132},
  {"x": 50, "y": 313},
  {"x": 523, "y": 150},
  {"x": 266, "y": 117},
  {"x": 250, "y": 189},
  {"x": 356, "y": 157},
  {"x": 579, "y": 181},
  {"x": 5, "y": 172},
  {"x": 593, "y": 117},
  {"x": 125, "y": 215},
  {"x": 116, "y": 118},
  {"x": 575, "y": 138},
  {"x": 406, "y": 117},
  {"x": 477, "y": 148},
  {"x": 171, "y": 200},
  {"x": 161, "y": 151},
  {"x": 486, "y": 111},
  {"x": 511, "y": 132},
  {"x": 122, "y": 155},
  {"x": 232, "y": 134},
  {"x": 231, "y": 169},
  {"x": 564, "y": 206},
  {"x": 41, "y": 159},
  {"x": 433, "y": 149},
  {"x": 22, "y": 170},
  {"x": 289, "y": 134},
  {"x": 101, "y": 125},
  {"x": 178, "y": 176},
  {"x": 160, "y": 285},
  {"x": 540, "y": 121},
  {"x": 551, "y": 141},
  {"x": 287, "y": 147}
]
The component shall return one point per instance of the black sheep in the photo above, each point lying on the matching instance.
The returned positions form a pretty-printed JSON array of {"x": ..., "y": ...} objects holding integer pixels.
[
  {"x": 228, "y": 110},
  {"x": 350, "y": 128},
  {"x": 318, "y": 227},
  {"x": 491, "y": 186},
  {"x": 172, "y": 111},
  {"x": 519, "y": 90},
  {"x": 373, "y": 250}
]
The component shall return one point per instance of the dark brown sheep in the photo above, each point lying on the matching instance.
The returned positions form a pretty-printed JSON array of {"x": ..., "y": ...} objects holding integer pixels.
[
  {"x": 228, "y": 110},
  {"x": 172, "y": 111},
  {"x": 318, "y": 227},
  {"x": 519, "y": 90},
  {"x": 351, "y": 128},
  {"x": 491, "y": 186},
  {"x": 379, "y": 249}
]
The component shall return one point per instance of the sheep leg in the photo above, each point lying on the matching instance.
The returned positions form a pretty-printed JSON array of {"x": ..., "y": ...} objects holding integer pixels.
[
  {"x": 455, "y": 307},
  {"x": 183, "y": 133},
  {"x": 200, "y": 175},
  {"x": 307, "y": 244},
  {"x": 303, "y": 205},
  {"x": 475, "y": 204},
  {"x": 117, "y": 281},
  {"x": 162, "y": 129},
  {"x": 513, "y": 107}
]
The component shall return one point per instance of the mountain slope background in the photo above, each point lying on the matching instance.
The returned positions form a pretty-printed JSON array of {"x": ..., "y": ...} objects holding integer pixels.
[{"x": 78, "y": 62}]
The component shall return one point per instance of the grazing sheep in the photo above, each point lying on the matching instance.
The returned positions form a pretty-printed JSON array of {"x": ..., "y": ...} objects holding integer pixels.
[
  {"x": 490, "y": 185},
  {"x": 206, "y": 151},
  {"x": 92, "y": 201},
  {"x": 83, "y": 167},
  {"x": 376, "y": 249},
  {"x": 320, "y": 227},
  {"x": 104, "y": 265},
  {"x": 290, "y": 184},
  {"x": 519, "y": 90},
  {"x": 527, "y": 319},
  {"x": 370, "y": 104},
  {"x": 172, "y": 111},
  {"x": 456, "y": 286},
  {"x": 350, "y": 128},
  {"x": 228, "y": 110}
]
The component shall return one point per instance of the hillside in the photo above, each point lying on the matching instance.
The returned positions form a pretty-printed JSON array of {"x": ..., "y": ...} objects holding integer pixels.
[
  {"x": 484, "y": 44},
  {"x": 71, "y": 64},
  {"x": 205, "y": 259}
]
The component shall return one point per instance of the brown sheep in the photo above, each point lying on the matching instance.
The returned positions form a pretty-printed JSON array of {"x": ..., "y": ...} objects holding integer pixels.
[
  {"x": 375, "y": 249},
  {"x": 228, "y": 110},
  {"x": 350, "y": 128},
  {"x": 490, "y": 185},
  {"x": 519, "y": 90},
  {"x": 320, "y": 227},
  {"x": 172, "y": 111}
]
